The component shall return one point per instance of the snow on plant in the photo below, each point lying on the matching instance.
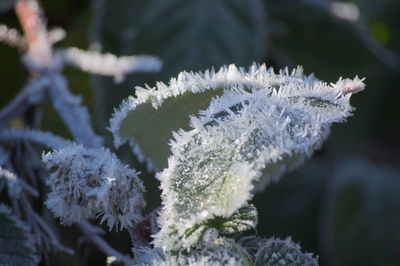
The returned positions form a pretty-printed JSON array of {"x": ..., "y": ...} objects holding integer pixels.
[
  {"x": 254, "y": 125},
  {"x": 86, "y": 183}
]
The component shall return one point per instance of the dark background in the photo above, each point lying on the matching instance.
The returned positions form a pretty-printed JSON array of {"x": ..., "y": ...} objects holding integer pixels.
[{"x": 344, "y": 203}]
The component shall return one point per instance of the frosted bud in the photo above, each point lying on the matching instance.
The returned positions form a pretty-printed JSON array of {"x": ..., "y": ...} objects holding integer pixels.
[{"x": 88, "y": 183}]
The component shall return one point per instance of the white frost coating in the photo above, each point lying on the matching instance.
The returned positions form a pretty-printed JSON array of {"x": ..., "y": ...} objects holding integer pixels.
[
  {"x": 13, "y": 184},
  {"x": 44, "y": 138},
  {"x": 89, "y": 183},
  {"x": 109, "y": 64},
  {"x": 75, "y": 116},
  {"x": 11, "y": 36},
  {"x": 255, "y": 77},
  {"x": 18, "y": 243},
  {"x": 220, "y": 252},
  {"x": 213, "y": 166}
]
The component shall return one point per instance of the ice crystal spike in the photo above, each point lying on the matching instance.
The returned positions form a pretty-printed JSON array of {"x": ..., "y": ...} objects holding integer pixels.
[
  {"x": 147, "y": 120},
  {"x": 87, "y": 183}
]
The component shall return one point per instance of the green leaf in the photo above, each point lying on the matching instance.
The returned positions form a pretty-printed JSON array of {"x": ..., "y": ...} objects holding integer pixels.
[
  {"x": 189, "y": 35},
  {"x": 361, "y": 209},
  {"x": 17, "y": 246},
  {"x": 185, "y": 35}
]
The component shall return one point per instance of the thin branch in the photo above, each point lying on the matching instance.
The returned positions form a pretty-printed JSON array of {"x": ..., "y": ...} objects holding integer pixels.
[
  {"x": 43, "y": 225},
  {"x": 88, "y": 230},
  {"x": 74, "y": 115},
  {"x": 31, "y": 19},
  {"x": 21, "y": 102},
  {"x": 15, "y": 184},
  {"x": 45, "y": 138},
  {"x": 109, "y": 64},
  {"x": 11, "y": 37}
]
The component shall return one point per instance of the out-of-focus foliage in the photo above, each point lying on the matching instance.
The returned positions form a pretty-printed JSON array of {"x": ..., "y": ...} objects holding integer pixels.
[
  {"x": 16, "y": 242},
  {"x": 186, "y": 35},
  {"x": 349, "y": 215}
]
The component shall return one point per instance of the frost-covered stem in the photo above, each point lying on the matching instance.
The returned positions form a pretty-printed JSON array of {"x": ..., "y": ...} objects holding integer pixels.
[
  {"x": 142, "y": 231},
  {"x": 43, "y": 225},
  {"x": 46, "y": 139},
  {"x": 11, "y": 37},
  {"x": 16, "y": 107},
  {"x": 30, "y": 17},
  {"x": 75, "y": 116},
  {"x": 90, "y": 232},
  {"x": 22, "y": 101}
]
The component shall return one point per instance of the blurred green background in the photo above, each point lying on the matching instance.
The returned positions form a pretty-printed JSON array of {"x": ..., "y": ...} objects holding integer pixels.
[{"x": 344, "y": 203}]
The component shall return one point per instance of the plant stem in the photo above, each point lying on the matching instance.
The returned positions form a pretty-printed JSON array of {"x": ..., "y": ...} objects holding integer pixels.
[{"x": 30, "y": 17}]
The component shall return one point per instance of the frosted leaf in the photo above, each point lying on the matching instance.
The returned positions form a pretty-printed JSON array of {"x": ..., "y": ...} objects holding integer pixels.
[
  {"x": 220, "y": 252},
  {"x": 245, "y": 138},
  {"x": 277, "y": 252},
  {"x": 86, "y": 183},
  {"x": 17, "y": 246},
  {"x": 147, "y": 120}
]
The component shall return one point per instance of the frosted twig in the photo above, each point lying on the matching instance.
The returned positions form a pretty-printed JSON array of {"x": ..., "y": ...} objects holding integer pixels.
[
  {"x": 44, "y": 226},
  {"x": 109, "y": 64},
  {"x": 15, "y": 184},
  {"x": 88, "y": 230},
  {"x": 386, "y": 56},
  {"x": 31, "y": 19},
  {"x": 56, "y": 34},
  {"x": 75, "y": 116},
  {"x": 45, "y": 138},
  {"x": 11, "y": 37},
  {"x": 31, "y": 93}
]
